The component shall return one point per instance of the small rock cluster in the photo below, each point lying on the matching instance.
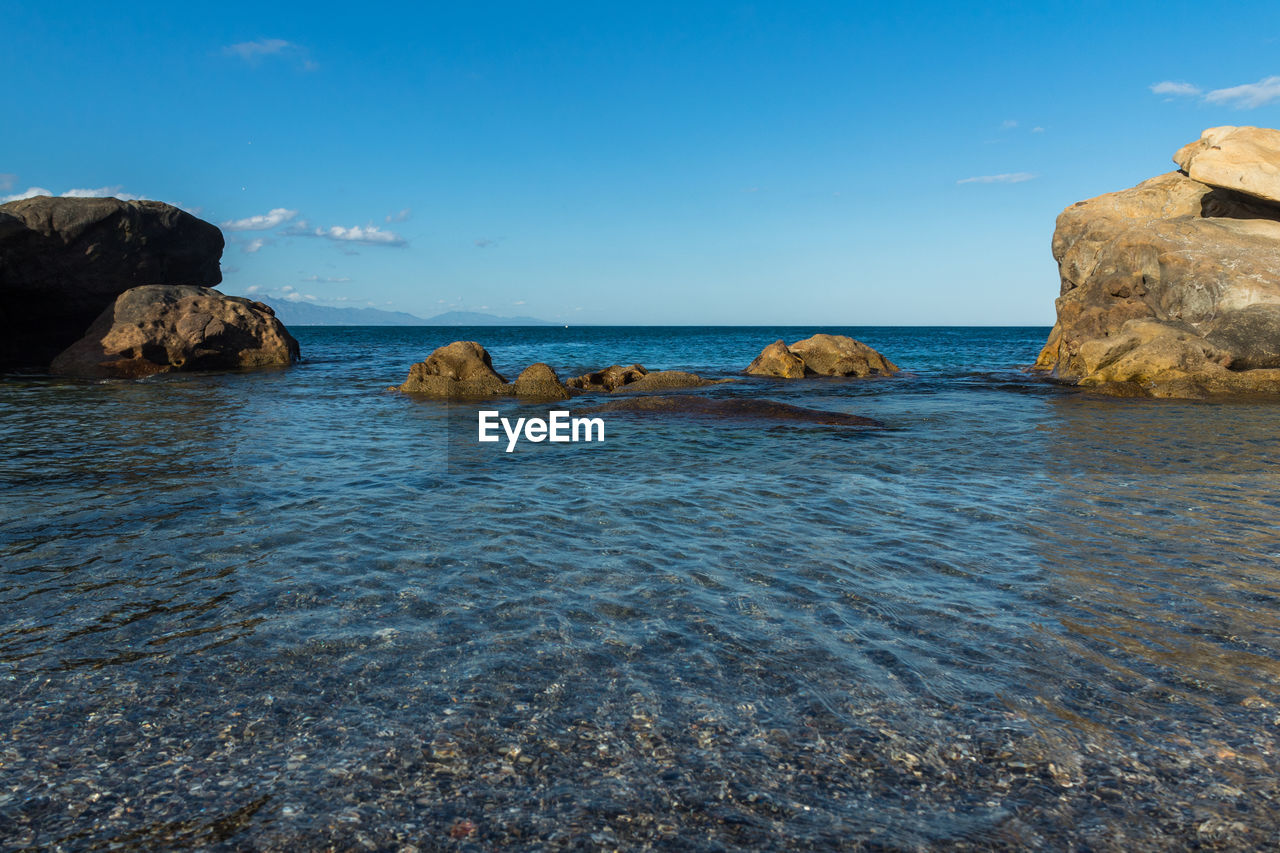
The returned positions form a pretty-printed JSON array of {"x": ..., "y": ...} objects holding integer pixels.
[{"x": 464, "y": 370}]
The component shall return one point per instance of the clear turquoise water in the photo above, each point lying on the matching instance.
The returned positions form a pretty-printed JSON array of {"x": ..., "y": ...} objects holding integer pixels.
[{"x": 264, "y": 611}]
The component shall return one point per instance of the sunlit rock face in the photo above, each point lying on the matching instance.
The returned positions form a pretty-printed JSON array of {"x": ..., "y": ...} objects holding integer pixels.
[{"x": 1170, "y": 288}]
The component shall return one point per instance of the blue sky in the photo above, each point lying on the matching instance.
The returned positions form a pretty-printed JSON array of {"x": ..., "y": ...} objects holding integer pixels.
[{"x": 704, "y": 163}]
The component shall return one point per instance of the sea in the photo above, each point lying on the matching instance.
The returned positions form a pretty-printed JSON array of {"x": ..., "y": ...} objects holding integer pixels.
[{"x": 295, "y": 610}]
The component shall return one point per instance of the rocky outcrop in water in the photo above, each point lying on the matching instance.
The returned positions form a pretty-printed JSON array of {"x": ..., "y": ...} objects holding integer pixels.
[
  {"x": 609, "y": 379},
  {"x": 463, "y": 369},
  {"x": 1172, "y": 288},
  {"x": 538, "y": 381},
  {"x": 637, "y": 378},
  {"x": 820, "y": 355},
  {"x": 459, "y": 369},
  {"x": 64, "y": 260},
  {"x": 164, "y": 328}
]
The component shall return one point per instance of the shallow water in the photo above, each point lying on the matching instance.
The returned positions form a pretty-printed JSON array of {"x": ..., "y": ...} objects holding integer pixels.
[{"x": 289, "y": 609}]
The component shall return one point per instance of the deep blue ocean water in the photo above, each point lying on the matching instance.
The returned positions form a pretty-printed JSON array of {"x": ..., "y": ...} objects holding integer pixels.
[{"x": 293, "y": 610}]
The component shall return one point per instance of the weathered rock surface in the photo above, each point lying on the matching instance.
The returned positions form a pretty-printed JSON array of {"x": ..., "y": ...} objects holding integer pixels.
[
  {"x": 821, "y": 355},
  {"x": 730, "y": 409},
  {"x": 64, "y": 260},
  {"x": 460, "y": 369},
  {"x": 1244, "y": 159},
  {"x": 539, "y": 381},
  {"x": 777, "y": 360},
  {"x": 163, "y": 328},
  {"x": 609, "y": 379},
  {"x": 1169, "y": 289}
]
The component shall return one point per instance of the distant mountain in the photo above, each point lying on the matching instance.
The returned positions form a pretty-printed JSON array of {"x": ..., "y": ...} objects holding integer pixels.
[
  {"x": 473, "y": 318},
  {"x": 306, "y": 314}
]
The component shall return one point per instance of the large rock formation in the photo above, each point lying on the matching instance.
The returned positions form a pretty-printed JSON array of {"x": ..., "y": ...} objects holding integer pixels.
[
  {"x": 820, "y": 355},
  {"x": 64, "y": 260},
  {"x": 460, "y": 369},
  {"x": 163, "y": 328},
  {"x": 1171, "y": 288}
]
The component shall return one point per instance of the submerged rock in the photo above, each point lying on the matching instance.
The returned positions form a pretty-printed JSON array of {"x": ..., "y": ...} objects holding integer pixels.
[
  {"x": 1169, "y": 289},
  {"x": 821, "y": 355},
  {"x": 609, "y": 379},
  {"x": 163, "y": 328},
  {"x": 731, "y": 408},
  {"x": 460, "y": 369},
  {"x": 64, "y": 260},
  {"x": 636, "y": 378}
]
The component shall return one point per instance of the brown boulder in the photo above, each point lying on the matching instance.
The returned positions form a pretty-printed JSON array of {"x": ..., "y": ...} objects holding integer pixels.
[
  {"x": 1169, "y": 289},
  {"x": 163, "y": 328},
  {"x": 64, "y": 260},
  {"x": 777, "y": 360},
  {"x": 539, "y": 381},
  {"x": 459, "y": 369},
  {"x": 821, "y": 355},
  {"x": 838, "y": 355}
]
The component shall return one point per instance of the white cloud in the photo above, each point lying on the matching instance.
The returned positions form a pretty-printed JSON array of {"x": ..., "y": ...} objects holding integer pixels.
[
  {"x": 1247, "y": 96},
  {"x": 370, "y": 235},
  {"x": 402, "y": 216},
  {"x": 262, "y": 222},
  {"x": 254, "y": 246},
  {"x": 1007, "y": 178},
  {"x": 1037, "y": 129},
  {"x": 518, "y": 302},
  {"x": 7, "y": 180},
  {"x": 251, "y": 50},
  {"x": 100, "y": 192},
  {"x": 331, "y": 280},
  {"x": 253, "y": 288},
  {"x": 31, "y": 192},
  {"x": 1008, "y": 124},
  {"x": 1171, "y": 87}
]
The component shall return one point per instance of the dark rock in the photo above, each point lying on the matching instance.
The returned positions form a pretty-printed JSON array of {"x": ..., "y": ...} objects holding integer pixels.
[
  {"x": 1251, "y": 335},
  {"x": 163, "y": 328},
  {"x": 730, "y": 409},
  {"x": 64, "y": 260}
]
